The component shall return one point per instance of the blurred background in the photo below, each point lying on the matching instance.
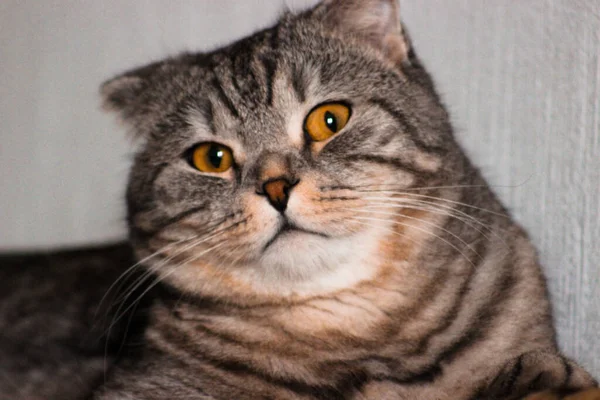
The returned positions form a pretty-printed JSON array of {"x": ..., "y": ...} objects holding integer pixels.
[{"x": 521, "y": 79}]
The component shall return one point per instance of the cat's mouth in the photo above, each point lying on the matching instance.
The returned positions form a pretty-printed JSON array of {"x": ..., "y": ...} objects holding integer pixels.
[{"x": 287, "y": 229}]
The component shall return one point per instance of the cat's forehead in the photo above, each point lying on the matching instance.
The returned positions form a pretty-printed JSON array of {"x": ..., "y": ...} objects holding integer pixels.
[
  {"x": 261, "y": 87},
  {"x": 248, "y": 90}
]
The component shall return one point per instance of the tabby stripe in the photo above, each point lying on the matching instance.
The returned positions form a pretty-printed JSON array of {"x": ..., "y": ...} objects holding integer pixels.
[
  {"x": 568, "y": 371},
  {"x": 478, "y": 393},
  {"x": 207, "y": 110},
  {"x": 407, "y": 127},
  {"x": 223, "y": 97},
  {"x": 536, "y": 383},
  {"x": 157, "y": 173},
  {"x": 165, "y": 223},
  {"x": 483, "y": 320},
  {"x": 360, "y": 307},
  {"x": 239, "y": 368},
  {"x": 298, "y": 83},
  {"x": 345, "y": 198},
  {"x": 451, "y": 316},
  {"x": 427, "y": 376},
  {"x": 180, "y": 379},
  {"x": 270, "y": 68},
  {"x": 336, "y": 187},
  {"x": 514, "y": 374},
  {"x": 273, "y": 38},
  {"x": 242, "y": 71},
  {"x": 386, "y": 139},
  {"x": 280, "y": 329},
  {"x": 348, "y": 384},
  {"x": 389, "y": 161},
  {"x": 255, "y": 347},
  {"x": 185, "y": 365},
  {"x": 170, "y": 221},
  {"x": 480, "y": 326}
]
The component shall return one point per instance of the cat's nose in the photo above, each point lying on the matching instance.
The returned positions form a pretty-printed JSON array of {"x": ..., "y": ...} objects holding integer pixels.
[{"x": 278, "y": 191}]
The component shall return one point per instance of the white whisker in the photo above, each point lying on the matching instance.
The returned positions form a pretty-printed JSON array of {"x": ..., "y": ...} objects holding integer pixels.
[
  {"x": 200, "y": 240},
  {"x": 435, "y": 198},
  {"x": 421, "y": 230},
  {"x": 432, "y": 208},
  {"x": 161, "y": 278},
  {"x": 136, "y": 265},
  {"x": 404, "y": 202},
  {"x": 422, "y": 221},
  {"x": 387, "y": 229},
  {"x": 149, "y": 273}
]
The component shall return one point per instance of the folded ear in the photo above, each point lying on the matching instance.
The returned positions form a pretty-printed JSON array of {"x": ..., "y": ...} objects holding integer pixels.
[
  {"x": 121, "y": 92},
  {"x": 129, "y": 96},
  {"x": 375, "y": 22}
]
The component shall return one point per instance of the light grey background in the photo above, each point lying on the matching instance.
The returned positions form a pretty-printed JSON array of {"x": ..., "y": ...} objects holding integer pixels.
[{"x": 521, "y": 78}]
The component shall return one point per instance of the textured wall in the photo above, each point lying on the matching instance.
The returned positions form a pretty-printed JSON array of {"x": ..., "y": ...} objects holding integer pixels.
[{"x": 521, "y": 78}]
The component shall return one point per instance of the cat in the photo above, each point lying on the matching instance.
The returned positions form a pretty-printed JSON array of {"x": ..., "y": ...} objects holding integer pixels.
[{"x": 311, "y": 229}]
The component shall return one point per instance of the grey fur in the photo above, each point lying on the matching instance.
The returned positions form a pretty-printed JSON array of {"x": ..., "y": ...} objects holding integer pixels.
[{"x": 409, "y": 280}]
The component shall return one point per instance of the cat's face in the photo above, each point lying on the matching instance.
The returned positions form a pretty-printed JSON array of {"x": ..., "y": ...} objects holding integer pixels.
[{"x": 270, "y": 166}]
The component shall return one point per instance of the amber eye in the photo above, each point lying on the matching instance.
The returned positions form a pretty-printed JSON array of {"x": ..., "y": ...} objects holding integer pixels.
[
  {"x": 326, "y": 120},
  {"x": 211, "y": 157}
]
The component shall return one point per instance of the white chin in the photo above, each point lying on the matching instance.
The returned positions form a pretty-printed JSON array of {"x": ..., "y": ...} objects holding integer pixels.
[
  {"x": 293, "y": 238},
  {"x": 303, "y": 262},
  {"x": 294, "y": 252}
]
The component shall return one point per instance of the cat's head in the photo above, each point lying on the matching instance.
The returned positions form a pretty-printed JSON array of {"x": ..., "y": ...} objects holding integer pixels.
[{"x": 273, "y": 166}]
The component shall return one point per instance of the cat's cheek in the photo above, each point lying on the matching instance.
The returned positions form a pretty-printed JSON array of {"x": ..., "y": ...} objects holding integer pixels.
[
  {"x": 328, "y": 213},
  {"x": 299, "y": 204},
  {"x": 306, "y": 207}
]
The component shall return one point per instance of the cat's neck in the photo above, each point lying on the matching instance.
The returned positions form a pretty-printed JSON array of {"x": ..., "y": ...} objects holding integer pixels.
[{"x": 372, "y": 312}]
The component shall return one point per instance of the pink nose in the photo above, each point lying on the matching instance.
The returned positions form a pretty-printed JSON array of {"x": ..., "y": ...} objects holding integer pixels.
[{"x": 278, "y": 193}]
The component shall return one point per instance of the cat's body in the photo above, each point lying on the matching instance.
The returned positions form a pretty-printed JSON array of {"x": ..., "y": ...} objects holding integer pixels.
[{"x": 318, "y": 233}]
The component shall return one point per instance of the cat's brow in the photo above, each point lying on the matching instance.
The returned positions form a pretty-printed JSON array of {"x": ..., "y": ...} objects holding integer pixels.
[
  {"x": 223, "y": 97},
  {"x": 270, "y": 69},
  {"x": 201, "y": 118},
  {"x": 299, "y": 84}
]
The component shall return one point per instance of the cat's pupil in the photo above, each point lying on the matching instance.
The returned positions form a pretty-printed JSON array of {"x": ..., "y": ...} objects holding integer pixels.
[
  {"x": 215, "y": 156},
  {"x": 330, "y": 121}
]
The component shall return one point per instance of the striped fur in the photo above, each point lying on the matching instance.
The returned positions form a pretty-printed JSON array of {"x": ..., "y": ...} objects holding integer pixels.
[
  {"x": 405, "y": 277},
  {"x": 413, "y": 282}
]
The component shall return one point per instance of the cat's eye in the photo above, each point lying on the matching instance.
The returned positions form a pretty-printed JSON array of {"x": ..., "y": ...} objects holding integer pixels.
[
  {"x": 326, "y": 120},
  {"x": 211, "y": 157}
]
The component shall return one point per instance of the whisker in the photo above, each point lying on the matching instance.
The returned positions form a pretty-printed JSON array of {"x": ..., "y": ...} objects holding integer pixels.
[
  {"x": 386, "y": 228},
  {"x": 134, "y": 266},
  {"x": 397, "y": 186},
  {"x": 197, "y": 281},
  {"x": 149, "y": 273},
  {"x": 392, "y": 186},
  {"x": 435, "y": 198},
  {"x": 162, "y": 278},
  {"x": 424, "y": 222},
  {"x": 130, "y": 270},
  {"x": 201, "y": 239},
  {"x": 421, "y": 230},
  {"x": 492, "y": 230},
  {"x": 156, "y": 282},
  {"x": 435, "y": 208}
]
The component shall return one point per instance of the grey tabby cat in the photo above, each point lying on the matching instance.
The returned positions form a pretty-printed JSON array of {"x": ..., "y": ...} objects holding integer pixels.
[{"x": 310, "y": 229}]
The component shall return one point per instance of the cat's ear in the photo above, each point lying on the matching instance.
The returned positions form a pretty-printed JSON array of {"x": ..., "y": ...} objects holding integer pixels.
[
  {"x": 121, "y": 92},
  {"x": 374, "y": 22},
  {"x": 128, "y": 95}
]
